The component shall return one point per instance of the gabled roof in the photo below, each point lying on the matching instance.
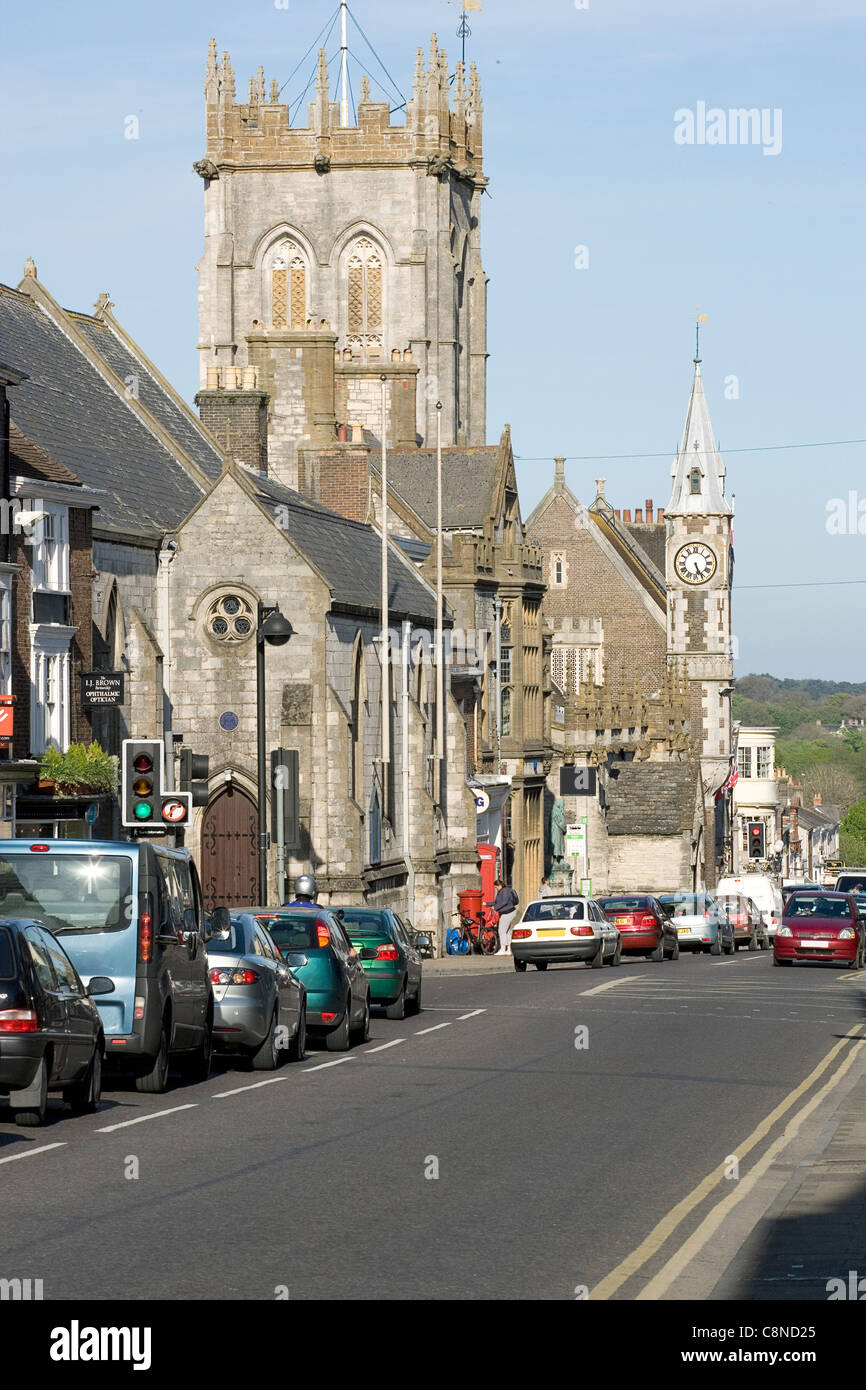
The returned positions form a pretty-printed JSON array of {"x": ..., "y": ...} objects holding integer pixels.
[
  {"x": 347, "y": 554},
  {"x": 651, "y": 798},
  {"x": 474, "y": 481},
  {"x": 27, "y": 460},
  {"x": 74, "y": 407},
  {"x": 698, "y": 450}
]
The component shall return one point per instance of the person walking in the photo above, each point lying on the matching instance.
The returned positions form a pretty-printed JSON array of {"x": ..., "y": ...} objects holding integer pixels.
[
  {"x": 545, "y": 891},
  {"x": 505, "y": 903}
]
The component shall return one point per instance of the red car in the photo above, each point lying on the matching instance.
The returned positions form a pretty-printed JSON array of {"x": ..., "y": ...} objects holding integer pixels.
[
  {"x": 644, "y": 926},
  {"x": 820, "y": 926}
]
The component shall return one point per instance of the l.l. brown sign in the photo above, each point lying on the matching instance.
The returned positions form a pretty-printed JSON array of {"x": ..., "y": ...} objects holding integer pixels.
[{"x": 102, "y": 687}]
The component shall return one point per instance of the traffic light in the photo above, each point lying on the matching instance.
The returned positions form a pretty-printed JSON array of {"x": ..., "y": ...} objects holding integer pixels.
[
  {"x": 284, "y": 796},
  {"x": 193, "y": 776},
  {"x": 144, "y": 802},
  {"x": 757, "y": 834}
]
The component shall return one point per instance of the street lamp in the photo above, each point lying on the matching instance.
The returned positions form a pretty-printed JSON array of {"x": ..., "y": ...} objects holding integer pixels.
[{"x": 273, "y": 628}]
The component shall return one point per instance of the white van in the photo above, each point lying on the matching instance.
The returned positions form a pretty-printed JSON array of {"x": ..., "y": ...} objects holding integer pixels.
[{"x": 764, "y": 892}]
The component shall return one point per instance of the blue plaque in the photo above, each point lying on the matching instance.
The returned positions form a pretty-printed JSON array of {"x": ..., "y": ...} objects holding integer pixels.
[{"x": 229, "y": 721}]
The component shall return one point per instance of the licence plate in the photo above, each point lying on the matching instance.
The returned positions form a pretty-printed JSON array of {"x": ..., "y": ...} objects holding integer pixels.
[
  {"x": 550, "y": 931},
  {"x": 808, "y": 941},
  {"x": 684, "y": 931},
  {"x": 622, "y": 921}
]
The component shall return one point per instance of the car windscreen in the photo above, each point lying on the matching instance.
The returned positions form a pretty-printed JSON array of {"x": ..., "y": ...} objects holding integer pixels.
[
  {"x": 7, "y": 956},
  {"x": 548, "y": 911},
  {"x": 232, "y": 945},
  {"x": 684, "y": 904},
  {"x": 364, "y": 923},
  {"x": 624, "y": 904},
  {"x": 803, "y": 906},
  {"x": 851, "y": 883},
  {"x": 292, "y": 931},
  {"x": 70, "y": 893}
]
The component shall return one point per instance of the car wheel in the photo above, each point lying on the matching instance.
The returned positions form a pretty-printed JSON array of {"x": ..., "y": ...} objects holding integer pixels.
[
  {"x": 154, "y": 1082},
  {"x": 298, "y": 1044},
  {"x": 541, "y": 965},
  {"x": 34, "y": 1115},
  {"x": 659, "y": 953},
  {"x": 196, "y": 1067},
  {"x": 397, "y": 1010},
  {"x": 338, "y": 1039},
  {"x": 616, "y": 958},
  {"x": 267, "y": 1055},
  {"x": 598, "y": 959},
  {"x": 753, "y": 942},
  {"x": 362, "y": 1032},
  {"x": 716, "y": 947},
  {"x": 731, "y": 948},
  {"x": 519, "y": 965},
  {"x": 413, "y": 1005},
  {"x": 84, "y": 1095},
  {"x": 675, "y": 951}
]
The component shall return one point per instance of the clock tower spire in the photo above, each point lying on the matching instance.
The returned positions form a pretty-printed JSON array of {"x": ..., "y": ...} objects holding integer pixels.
[{"x": 698, "y": 574}]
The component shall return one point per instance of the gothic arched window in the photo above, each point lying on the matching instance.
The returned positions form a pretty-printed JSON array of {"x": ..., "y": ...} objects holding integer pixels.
[
  {"x": 364, "y": 291},
  {"x": 289, "y": 287},
  {"x": 695, "y": 480}
]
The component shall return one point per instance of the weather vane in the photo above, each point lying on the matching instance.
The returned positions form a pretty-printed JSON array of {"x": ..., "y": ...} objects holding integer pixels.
[{"x": 702, "y": 318}]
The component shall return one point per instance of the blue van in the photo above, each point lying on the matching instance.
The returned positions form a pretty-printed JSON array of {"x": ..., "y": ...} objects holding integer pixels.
[{"x": 131, "y": 910}]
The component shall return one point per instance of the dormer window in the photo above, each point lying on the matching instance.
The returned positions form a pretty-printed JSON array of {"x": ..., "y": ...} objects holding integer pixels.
[{"x": 695, "y": 482}]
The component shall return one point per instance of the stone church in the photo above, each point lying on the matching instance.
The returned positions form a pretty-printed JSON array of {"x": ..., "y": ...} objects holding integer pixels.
[{"x": 638, "y": 612}]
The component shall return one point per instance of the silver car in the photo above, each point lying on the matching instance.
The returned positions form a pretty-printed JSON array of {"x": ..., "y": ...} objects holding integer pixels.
[
  {"x": 564, "y": 929},
  {"x": 260, "y": 1009},
  {"x": 702, "y": 923}
]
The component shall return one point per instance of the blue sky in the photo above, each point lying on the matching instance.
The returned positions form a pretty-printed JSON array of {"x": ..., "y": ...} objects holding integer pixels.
[{"x": 580, "y": 151}]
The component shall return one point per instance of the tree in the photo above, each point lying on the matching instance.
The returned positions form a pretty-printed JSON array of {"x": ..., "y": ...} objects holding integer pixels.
[{"x": 853, "y": 834}]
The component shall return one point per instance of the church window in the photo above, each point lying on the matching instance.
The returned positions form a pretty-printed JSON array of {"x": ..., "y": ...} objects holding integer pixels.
[
  {"x": 229, "y": 619},
  {"x": 289, "y": 288},
  {"x": 695, "y": 481},
  {"x": 364, "y": 319}
]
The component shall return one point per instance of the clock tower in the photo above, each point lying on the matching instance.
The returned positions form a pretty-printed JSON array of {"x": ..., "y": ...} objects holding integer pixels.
[{"x": 698, "y": 561}]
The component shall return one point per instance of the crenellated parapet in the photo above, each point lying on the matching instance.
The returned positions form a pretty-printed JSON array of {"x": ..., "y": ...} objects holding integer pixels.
[{"x": 442, "y": 127}]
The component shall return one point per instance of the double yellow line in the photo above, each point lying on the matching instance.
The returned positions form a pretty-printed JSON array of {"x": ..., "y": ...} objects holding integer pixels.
[{"x": 662, "y": 1232}]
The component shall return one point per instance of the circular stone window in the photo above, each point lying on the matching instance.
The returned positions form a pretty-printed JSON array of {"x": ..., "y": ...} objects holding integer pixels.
[{"x": 229, "y": 618}]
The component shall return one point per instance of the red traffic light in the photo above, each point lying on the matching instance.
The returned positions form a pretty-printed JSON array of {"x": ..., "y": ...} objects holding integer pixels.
[{"x": 143, "y": 763}]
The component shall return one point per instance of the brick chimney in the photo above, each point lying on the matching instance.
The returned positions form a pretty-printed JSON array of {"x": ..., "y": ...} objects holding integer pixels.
[
  {"x": 626, "y": 516},
  {"x": 660, "y": 516},
  {"x": 649, "y": 510},
  {"x": 638, "y": 516},
  {"x": 338, "y": 476},
  {"x": 236, "y": 413}
]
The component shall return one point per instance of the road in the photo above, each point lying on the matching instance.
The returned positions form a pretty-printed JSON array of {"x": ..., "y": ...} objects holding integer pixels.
[{"x": 556, "y": 1162}]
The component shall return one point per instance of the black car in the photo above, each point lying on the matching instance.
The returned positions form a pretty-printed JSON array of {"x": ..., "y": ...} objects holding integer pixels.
[{"x": 51, "y": 1035}]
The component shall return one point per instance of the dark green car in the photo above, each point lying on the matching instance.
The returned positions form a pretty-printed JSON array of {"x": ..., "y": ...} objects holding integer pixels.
[
  {"x": 316, "y": 946},
  {"x": 391, "y": 959}
]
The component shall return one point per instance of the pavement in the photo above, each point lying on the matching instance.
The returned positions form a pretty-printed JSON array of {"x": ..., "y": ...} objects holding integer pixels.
[{"x": 537, "y": 1136}]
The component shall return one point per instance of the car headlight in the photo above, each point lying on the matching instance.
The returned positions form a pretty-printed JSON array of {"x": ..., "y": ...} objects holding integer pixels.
[
  {"x": 847, "y": 934},
  {"x": 784, "y": 931}
]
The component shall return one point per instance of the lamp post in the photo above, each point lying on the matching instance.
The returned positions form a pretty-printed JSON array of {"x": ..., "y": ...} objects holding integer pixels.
[{"x": 273, "y": 628}]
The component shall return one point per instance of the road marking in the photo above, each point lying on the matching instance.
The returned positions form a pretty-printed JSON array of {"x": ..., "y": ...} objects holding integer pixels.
[
  {"x": 271, "y": 1081},
  {"x": 665, "y": 1228},
  {"x": 321, "y": 1067},
  {"x": 382, "y": 1046},
  {"x": 474, "y": 1014},
  {"x": 434, "y": 1029},
  {"x": 157, "y": 1115},
  {"x": 28, "y": 1153},
  {"x": 658, "y": 1286},
  {"x": 611, "y": 984}
]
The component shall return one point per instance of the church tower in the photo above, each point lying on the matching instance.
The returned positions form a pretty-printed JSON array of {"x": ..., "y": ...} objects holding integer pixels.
[
  {"x": 339, "y": 253},
  {"x": 698, "y": 562}
]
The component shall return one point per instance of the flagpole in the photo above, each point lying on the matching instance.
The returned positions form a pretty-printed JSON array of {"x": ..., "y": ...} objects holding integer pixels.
[{"x": 344, "y": 67}]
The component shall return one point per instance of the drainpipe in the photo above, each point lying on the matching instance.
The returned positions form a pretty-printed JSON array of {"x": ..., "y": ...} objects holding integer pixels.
[
  {"x": 167, "y": 552},
  {"x": 498, "y": 611},
  {"x": 407, "y": 852}
]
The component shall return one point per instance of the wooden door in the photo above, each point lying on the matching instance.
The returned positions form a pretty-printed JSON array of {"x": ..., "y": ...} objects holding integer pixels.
[{"x": 229, "y": 856}]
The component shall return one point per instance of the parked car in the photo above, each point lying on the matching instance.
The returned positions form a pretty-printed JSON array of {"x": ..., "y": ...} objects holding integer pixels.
[
  {"x": 131, "y": 911},
  {"x": 851, "y": 881},
  {"x": 700, "y": 922},
  {"x": 395, "y": 968},
  {"x": 746, "y": 920},
  {"x": 51, "y": 1036},
  {"x": 338, "y": 990},
  {"x": 823, "y": 926},
  {"x": 564, "y": 929},
  {"x": 260, "y": 1008},
  {"x": 644, "y": 925},
  {"x": 764, "y": 892}
]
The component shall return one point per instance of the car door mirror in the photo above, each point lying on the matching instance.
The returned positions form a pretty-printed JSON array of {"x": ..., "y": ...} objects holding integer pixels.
[
  {"x": 296, "y": 960},
  {"x": 100, "y": 984}
]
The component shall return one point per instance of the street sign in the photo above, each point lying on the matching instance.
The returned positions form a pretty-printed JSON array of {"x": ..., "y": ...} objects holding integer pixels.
[
  {"x": 92, "y": 812},
  {"x": 229, "y": 721},
  {"x": 586, "y": 887},
  {"x": 575, "y": 840},
  {"x": 7, "y": 721},
  {"x": 482, "y": 802},
  {"x": 102, "y": 687}
]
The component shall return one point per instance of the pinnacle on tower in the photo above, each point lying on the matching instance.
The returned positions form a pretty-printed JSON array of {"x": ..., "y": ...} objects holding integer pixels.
[
  {"x": 365, "y": 88},
  {"x": 227, "y": 80},
  {"x": 260, "y": 86},
  {"x": 275, "y": 90},
  {"x": 211, "y": 80}
]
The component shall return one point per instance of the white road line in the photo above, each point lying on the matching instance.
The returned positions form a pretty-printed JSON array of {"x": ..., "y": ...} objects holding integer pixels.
[
  {"x": 611, "y": 984},
  {"x": 382, "y": 1046},
  {"x": 474, "y": 1014},
  {"x": 28, "y": 1153},
  {"x": 271, "y": 1081},
  {"x": 157, "y": 1115},
  {"x": 434, "y": 1029},
  {"x": 321, "y": 1067}
]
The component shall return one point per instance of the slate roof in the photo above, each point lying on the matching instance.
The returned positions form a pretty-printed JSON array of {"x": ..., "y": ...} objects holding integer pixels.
[
  {"x": 68, "y": 409},
  {"x": 27, "y": 460},
  {"x": 152, "y": 394},
  {"x": 651, "y": 539},
  {"x": 640, "y": 564},
  {"x": 347, "y": 554},
  {"x": 468, "y": 479},
  {"x": 651, "y": 798}
]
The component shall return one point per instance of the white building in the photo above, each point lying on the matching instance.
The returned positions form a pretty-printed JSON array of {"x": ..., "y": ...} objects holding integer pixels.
[{"x": 756, "y": 796}]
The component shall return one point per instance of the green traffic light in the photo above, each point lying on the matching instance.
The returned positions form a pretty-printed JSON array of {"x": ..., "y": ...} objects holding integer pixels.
[{"x": 142, "y": 810}]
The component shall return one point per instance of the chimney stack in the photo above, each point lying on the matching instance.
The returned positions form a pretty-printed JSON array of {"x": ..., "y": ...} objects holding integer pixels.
[
  {"x": 626, "y": 516},
  {"x": 649, "y": 510},
  {"x": 638, "y": 515},
  {"x": 660, "y": 516}
]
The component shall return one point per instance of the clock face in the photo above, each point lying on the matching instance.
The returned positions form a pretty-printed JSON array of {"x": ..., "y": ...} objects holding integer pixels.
[{"x": 695, "y": 563}]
